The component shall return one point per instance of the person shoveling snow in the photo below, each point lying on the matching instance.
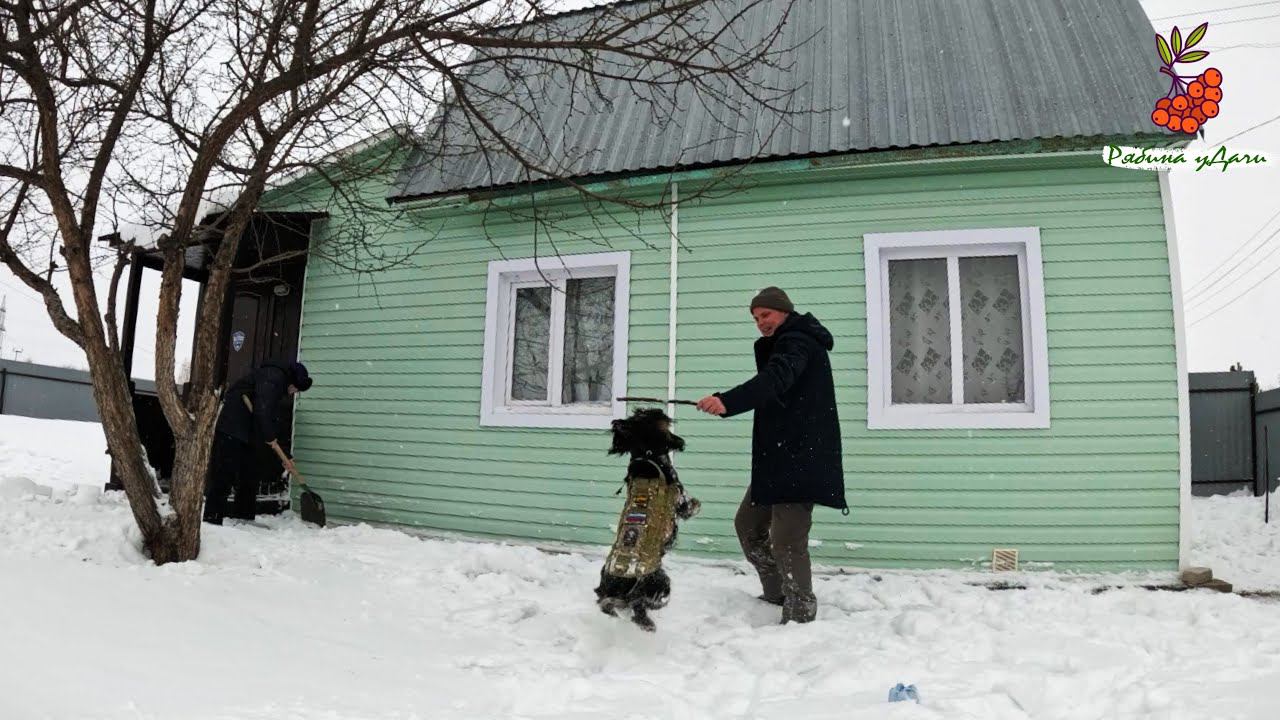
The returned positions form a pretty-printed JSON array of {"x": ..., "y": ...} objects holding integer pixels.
[{"x": 249, "y": 415}]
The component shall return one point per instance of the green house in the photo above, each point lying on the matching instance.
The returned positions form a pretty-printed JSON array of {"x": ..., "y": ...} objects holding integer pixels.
[{"x": 1009, "y": 357}]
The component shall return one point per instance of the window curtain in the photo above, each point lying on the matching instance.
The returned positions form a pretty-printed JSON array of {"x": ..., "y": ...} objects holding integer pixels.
[
  {"x": 919, "y": 331},
  {"x": 588, "y": 341},
  {"x": 991, "y": 325}
]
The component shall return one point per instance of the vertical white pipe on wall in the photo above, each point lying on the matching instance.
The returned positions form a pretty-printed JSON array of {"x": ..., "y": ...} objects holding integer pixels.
[
  {"x": 671, "y": 318},
  {"x": 1180, "y": 348}
]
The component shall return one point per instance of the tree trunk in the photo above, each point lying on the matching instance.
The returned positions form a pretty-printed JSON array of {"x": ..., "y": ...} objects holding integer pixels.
[
  {"x": 174, "y": 537},
  {"x": 120, "y": 427},
  {"x": 190, "y": 467}
]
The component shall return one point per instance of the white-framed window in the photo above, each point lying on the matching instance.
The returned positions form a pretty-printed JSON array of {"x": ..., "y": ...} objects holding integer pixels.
[
  {"x": 956, "y": 329},
  {"x": 555, "y": 341}
]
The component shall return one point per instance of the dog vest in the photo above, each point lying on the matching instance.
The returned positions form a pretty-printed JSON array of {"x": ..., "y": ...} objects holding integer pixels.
[{"x": 645, "y": 525}]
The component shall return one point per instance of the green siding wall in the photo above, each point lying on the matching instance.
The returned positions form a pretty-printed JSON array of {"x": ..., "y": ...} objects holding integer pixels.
[
  {"x": 390, "y": 432},
  {"x": 1100, "y": 487}
]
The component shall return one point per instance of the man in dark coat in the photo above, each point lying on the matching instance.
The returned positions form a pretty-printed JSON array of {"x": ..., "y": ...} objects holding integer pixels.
[
  {"x": 250, "y": 409},
  {"x": 795, "y": 449}
]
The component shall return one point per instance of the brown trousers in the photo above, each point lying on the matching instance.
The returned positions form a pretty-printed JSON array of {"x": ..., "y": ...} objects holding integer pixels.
[{"x": 775, "y": 540}]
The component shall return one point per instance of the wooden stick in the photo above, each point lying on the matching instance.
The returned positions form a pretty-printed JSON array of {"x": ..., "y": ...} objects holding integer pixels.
[{"x": 656, "y": 400}]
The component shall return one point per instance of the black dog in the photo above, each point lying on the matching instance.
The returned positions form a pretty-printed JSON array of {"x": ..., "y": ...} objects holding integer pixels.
[{"x": 633, "y": 577}]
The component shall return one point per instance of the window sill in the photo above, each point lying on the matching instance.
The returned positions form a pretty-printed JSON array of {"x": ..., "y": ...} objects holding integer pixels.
[
  {"x": 956, "y": 418},
  {"x": 598, "y": 418}
]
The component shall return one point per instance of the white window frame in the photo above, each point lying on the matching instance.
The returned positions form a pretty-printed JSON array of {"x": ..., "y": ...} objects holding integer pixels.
[
  {"x": 505, "y": 277},
  {"x": 1024, "y": 242}
]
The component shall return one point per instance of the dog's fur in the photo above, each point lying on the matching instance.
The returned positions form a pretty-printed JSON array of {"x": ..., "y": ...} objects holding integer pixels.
[{"x": 646, "y": 436}]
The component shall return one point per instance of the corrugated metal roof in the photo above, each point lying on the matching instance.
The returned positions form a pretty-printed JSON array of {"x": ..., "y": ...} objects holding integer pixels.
[{"x": 863, "y": 75}]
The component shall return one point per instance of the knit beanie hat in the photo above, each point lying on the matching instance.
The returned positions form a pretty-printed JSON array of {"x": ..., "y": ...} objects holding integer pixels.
[
  {"x": 301, "y": 379},
  {"x": 774, "y": 299}
]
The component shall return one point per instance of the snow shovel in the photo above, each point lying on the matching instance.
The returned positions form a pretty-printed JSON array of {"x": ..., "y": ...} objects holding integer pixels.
[
  {"x": 312, "y": 505},
  {"x": 312, "y": 509}
]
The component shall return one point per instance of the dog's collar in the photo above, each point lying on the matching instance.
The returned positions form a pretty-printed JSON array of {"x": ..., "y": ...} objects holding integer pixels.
[
  {"x": 662, "y": 462},
  {"x": 662, "y": 471}
]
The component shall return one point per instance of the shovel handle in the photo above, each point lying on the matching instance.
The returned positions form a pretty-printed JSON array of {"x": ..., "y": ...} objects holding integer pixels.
[
  {"x": 287, "y": 461},
  {"x": 284, "y": 459}
]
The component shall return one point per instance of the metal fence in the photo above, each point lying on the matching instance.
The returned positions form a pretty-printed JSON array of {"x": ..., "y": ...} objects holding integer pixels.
[
  {"x": 54, "y": 393},
  {"x": 1234, "y": 429},
  {"x": 1266, "y": 428}
]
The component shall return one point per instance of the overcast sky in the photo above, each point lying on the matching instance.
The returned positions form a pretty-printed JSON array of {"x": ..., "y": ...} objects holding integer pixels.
[{"x": 1228, "y": 224}]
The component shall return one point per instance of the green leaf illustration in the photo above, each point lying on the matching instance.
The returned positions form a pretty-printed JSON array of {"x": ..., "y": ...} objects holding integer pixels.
[
  {"x": 1163, "y": 47},
  {"x": 1194, "y": 56},
  {"x": 1196, "y": 35},
  {"x": 1177, "y": 40}
]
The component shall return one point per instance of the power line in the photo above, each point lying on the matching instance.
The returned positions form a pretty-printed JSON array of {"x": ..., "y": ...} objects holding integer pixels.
[
  {"x": 1192, "y": 290},
  {"x": 1247, "y": 290},
  {"x": 1258, "y": 46},
  {"x": 1217, "y": 10},
  {"x": 1249, "y": 129},
  {"x": 1250, "y": 289},
  {"x": 1233, "y": 22},
  {"x": 1219, "y": 291}
]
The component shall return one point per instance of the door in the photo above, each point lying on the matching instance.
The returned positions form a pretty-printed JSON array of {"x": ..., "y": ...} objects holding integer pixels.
[
  {"x": 242, "y": 342},
  {"x": 264, "y": 321}
]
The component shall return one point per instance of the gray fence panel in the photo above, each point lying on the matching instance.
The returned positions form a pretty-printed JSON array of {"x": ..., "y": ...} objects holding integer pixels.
[
  {"x": 1222, "y": 446},
  {"x": 42, "y": 391},
  {"x": 1267, "y": 429},
  {"x": 54, "y": 393}
]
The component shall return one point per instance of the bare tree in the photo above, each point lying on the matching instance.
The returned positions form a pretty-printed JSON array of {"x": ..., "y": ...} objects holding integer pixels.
[{"x": 168, "y": 120}]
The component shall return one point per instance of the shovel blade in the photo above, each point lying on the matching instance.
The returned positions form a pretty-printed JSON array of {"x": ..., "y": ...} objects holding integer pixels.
[{"x": 312, "y": 507}]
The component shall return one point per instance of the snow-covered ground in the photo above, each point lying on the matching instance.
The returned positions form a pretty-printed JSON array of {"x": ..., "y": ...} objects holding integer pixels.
[
  {"x": 291, "y": 622},
  {"x": 54, "y": 453},
  {"x": 1229, "y": 536}
]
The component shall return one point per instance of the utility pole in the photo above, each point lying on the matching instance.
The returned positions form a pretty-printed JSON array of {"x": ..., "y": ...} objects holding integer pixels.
[{"x": 3, "y": 301}]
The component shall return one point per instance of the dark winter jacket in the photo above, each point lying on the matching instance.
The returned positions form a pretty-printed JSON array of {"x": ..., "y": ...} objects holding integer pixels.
[
  {"x": 795, "y": 437},
  {"x": 267, "y": 387}
]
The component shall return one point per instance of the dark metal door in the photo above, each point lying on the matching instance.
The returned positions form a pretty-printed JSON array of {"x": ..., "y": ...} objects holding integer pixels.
[
  {"x": 242, "y": 342},
  {"x": 264, "y": 322}
]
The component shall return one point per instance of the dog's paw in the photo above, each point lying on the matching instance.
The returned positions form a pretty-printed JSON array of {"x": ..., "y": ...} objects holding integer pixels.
[{"x": 640, "y": 616}]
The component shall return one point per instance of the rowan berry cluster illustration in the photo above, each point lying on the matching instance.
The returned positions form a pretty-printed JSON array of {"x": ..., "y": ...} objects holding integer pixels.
[{"x": 1192, "y": 100}]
